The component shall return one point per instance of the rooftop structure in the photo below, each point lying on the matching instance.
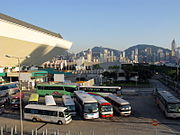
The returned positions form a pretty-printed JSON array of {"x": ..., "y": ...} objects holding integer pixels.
[{"x": 20, "y": 39}]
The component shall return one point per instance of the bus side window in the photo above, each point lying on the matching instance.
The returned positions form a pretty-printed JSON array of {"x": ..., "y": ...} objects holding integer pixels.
[
  {"x": 27, "y": 110},
  {"x": 69, "y": 89},
  {"x": 61, "y": 114},
  {"x": 34, "y": 111},
  {"x": 43, "y": 112},
  {"x": 52, "y": 113}
]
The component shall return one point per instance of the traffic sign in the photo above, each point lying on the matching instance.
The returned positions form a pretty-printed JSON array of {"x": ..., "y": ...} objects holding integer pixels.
[{"x": 155, "y": 123}]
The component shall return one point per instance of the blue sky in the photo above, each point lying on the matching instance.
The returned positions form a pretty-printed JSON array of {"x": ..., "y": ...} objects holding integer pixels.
[{"x": 117, "y": 24}]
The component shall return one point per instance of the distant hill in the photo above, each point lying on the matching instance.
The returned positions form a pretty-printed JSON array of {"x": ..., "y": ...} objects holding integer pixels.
[
  {"x": 144, "y": 51},
  {"x": 145, "y": 46},
  {"x": 97, "y": 50}
]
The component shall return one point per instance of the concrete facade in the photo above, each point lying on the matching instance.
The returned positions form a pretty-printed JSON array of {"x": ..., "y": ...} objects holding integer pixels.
[{"x": 28, "y": 40}]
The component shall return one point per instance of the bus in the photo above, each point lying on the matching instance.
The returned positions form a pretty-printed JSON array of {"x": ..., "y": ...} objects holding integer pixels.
[
  {"x": 8, "y": 89},
  {"x": 120, "y": 105},
  {"x": 34, "y": 98},
  {"x": 15, "y": 100},
  {"x": 86, "y": 104},
  {"x": 55, "y": 89},
  {"x": 49, "y": 100},
  {"x": 102, "y": 90},
  {"x": 70, "y": 104},
  {"x": 105, "y": 108},
  {"x": 168, "y": 103},
  {"x": 54, "y": 114}
]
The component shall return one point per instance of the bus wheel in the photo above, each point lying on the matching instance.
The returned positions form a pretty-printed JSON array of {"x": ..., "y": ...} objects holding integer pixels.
[
  {"x": 60, "y": 122},
  {"x": 34, "y": 119}
]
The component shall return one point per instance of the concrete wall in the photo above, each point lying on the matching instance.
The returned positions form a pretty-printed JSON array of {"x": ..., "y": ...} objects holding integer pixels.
[{"x": 16, "y": 40}]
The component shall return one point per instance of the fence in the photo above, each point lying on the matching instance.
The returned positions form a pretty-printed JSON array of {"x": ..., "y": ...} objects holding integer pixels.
[{"x": 13, "y": 130}]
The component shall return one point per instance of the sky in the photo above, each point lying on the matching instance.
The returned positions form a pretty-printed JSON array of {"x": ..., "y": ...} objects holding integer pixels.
[{"x": 117, "y": 24}]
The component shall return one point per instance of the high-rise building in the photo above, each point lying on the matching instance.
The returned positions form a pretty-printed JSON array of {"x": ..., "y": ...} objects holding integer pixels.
[
  {"x": 89, "y": 55},
  {"x": 173, "y": 48},
  {"x": 178, "y": 52}
]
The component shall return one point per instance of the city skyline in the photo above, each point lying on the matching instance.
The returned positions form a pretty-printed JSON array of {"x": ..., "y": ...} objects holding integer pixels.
[{"x": 119, "y": 24}]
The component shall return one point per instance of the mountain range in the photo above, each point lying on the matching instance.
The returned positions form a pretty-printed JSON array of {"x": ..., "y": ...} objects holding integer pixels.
[{"x": 142, "y": 49}]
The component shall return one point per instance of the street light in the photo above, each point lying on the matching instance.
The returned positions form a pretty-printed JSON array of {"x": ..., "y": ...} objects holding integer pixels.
[
  {"x": 19, "y": 58},
  {"x": 177, "y": 79}
]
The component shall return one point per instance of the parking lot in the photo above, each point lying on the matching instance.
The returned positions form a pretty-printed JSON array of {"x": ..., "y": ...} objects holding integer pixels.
[{"x": 139, "y": 123}]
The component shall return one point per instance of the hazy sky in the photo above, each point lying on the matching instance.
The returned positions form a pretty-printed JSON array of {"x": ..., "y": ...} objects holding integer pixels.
[{"x": 117, "y": 24}]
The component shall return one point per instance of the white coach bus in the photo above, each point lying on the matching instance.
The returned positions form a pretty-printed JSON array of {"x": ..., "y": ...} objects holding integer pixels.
[
  {"x": 120, "y": 105},
  {"x": 168, "y": 103},
  {"x": 54, "y": 114},
  {"x": 87, "y": 105},
  {"x": 69, "y": 104}
]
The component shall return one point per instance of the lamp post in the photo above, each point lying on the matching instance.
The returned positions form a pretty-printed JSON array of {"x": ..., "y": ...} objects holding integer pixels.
[
  {"x": 177, "y": 73},
  {"x": 18, "y": 59}
]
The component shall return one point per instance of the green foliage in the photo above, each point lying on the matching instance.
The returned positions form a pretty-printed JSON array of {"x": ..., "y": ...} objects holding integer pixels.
[
  {"x": 114, "y": 67},
  {"x": 144, "y": 72},
  {"x": 110, "y": 75},
  {"x": 97, "y": 66}
]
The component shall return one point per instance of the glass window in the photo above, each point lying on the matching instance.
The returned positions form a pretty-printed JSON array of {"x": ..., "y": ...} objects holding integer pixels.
[
  {"x": 67, "y": 113},
  {"x": 27, "y": 110},
  {"x": 15, "y": 101},
  {"x": 34, "y": 111},
  {"x": 40, "y": 87},
  {"x": 71, "y": 108},
  {"x": 61, "y": 114},
  {"x": 52, "y": 113},
  {"x": 90, "y": 107},
  {"x": 70, "y": 89},
  {"x": 106, "y": 108},
  {"x": 125, "y": 107},
  {"x": 174, "y": 108},
  {"x": 43, "y": 112}
]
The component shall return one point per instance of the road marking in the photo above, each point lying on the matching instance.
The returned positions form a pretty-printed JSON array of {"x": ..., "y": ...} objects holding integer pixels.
[{"x": 41, "y": 126}]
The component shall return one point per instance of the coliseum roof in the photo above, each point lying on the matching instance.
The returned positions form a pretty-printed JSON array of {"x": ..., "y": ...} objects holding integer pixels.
[{"x": 22, "y": 23}]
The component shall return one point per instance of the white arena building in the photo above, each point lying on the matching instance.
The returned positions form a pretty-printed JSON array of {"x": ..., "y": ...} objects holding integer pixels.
[{"x": 20, "y": 39}]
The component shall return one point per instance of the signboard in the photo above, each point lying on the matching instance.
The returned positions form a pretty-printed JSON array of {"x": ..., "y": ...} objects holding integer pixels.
[
  {"x": 59, "y": 77},
  {"x": 25, "y": 77},
  {"x": 155, "y": 123}
]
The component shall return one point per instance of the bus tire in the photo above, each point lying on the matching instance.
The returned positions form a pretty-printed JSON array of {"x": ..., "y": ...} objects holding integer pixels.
[
  {"x": 59, "y": 122},
  {"x": 34, "y": 120}
]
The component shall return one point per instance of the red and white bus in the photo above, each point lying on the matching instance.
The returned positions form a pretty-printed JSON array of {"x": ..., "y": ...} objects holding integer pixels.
[
  {"x": 105, "y": 108},
  {"x": 15, "y": 100}
]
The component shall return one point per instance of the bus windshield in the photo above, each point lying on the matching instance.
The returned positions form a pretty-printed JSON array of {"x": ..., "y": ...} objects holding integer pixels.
[
  {"x": 106, "y": 108},
  {"x": 70, "y": 108},
  {"x": 66, "y": 113},
  {"x": 90, "y": 107},
  {"x": 125, "y": 107},
  {"x": 175, "y": 108},
  {"x": 15, "y": 101}
]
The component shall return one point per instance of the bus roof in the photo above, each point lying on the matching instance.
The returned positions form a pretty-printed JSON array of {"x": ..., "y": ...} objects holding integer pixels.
[
  {"x": 101, "y": 100},
  {"x": 85, "y": 97},
  {"x": 101, "y": 87},
  {"x": 44, "y": 107},
  {"x": 169, "y": 97},
  {"x": 118, "y": 99},
  {"x": 34, "y": 97},
  {"x": 8, "y": 83},
  {"x": 67, "y": 100},
  {"x": 49, "y": 100},
  {"x": 56, "y": 85}
]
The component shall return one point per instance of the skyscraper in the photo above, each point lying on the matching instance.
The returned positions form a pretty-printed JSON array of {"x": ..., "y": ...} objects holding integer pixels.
[{"x": 173, "y": 48}]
